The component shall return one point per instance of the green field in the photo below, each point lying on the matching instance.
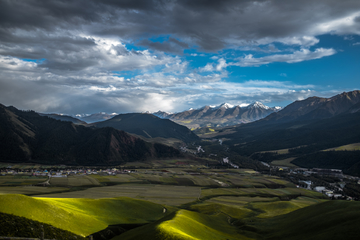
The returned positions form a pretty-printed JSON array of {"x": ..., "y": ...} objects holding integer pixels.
[
  {"x": 82, "y": 216},
  {"x": 186, "y": 225},
  {"x": 21, "y": 180},
  {"x": 173, "y": 203},
  {"x": 74, "y": 181},
  {"x": 162, "y": 194}
]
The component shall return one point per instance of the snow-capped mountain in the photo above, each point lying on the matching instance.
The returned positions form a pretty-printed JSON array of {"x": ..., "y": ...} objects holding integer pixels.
[
  {"x": 161, "y": 114},
  {"x": 224, "y": 114}
]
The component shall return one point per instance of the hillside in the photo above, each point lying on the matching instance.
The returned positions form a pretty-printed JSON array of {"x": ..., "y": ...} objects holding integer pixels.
[
  {"x": 149, "y": 126},
  {"x": 316, "y": 108},
  {"x": 25, "y": 136},
  {"x": 328, "y": 220},
  {"x": 82, "y": 216},
  {"x": 186, "y": 225},
  {"x": 15, "y": 226}
]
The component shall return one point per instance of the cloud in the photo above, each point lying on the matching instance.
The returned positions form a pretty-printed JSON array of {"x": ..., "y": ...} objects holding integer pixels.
[
  {"x": 90, "y": 55},
  {"x": 209, "y": 25},
  {"x": 297, "y": 56}
]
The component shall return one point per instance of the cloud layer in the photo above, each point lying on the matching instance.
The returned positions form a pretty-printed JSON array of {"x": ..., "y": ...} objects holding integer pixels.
[{"x": 132, "y": 55}]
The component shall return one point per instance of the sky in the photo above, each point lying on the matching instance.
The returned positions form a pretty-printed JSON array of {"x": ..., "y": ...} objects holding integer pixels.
[{"x": 88, "y": 56}]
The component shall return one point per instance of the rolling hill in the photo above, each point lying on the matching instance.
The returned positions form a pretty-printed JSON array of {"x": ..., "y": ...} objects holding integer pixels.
[{"x": 82, "y": 216}]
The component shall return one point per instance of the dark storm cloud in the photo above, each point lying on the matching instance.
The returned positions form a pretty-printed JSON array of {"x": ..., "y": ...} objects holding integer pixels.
[
  {"x": 209, "y": 24},
  {"x": 172, "y": 45}
]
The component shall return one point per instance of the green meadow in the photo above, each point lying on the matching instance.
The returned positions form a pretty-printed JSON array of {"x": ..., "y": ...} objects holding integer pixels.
[{"x": 170, "y": 203}]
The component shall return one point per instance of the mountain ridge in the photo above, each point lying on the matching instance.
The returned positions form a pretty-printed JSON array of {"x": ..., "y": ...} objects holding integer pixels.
[
  {"x": 25, "y": 136},
  {"x": 224, "y": 114}
]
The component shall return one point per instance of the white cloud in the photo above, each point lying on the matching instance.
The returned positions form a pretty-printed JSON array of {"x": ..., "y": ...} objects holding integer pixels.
[
  {"x": 342, "y": 25},
  {"x": 297, "y": 56},
  {"x": 208, "y": 68},
  {"x": 221, "y": 64}
]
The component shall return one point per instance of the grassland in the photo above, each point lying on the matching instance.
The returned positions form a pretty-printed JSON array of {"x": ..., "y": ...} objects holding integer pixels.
[
  {"x": 324, "y": 221},
  {"x": 348, "y": 147},
  {"x": 279, "y": 151},
  {"x": 186, "y": 225},
  {"x": 199, "y": 203},
  {"x": 19, "y": 180},
  {"x": 82, "y": 216},
  {"x": 162, "y": 194},
  {"x": 75, "y": 181},
  {"x": 15, "y": 226}
]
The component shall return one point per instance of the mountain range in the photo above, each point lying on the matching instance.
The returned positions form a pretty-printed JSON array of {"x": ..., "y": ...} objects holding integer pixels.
[
  {"x": 219, "y": 116},
  {"x": 25, "y": 136},
  {"x": 302, "y": 128}
]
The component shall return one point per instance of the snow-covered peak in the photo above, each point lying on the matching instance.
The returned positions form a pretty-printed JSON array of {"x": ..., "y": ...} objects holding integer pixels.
[
  {"x": 243, "y": 105},
  {"x": 224, "y": 105},
  {"x": 258, "y": 105},
  {"x": 161, "y": 114},
  {"x": 277, "y": 108}
]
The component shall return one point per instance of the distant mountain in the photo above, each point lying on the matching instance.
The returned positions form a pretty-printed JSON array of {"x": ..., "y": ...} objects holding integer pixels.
[
  {"x": 149, "y": 126},
  {"x": 97, "y": 117},
  {"x": 63, "y": 118},
  {"x": 222, "y": 115},
  {"x": 25, "y": 136}
]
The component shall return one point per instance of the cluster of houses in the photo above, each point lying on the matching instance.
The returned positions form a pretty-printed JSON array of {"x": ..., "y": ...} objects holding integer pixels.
[
  {"x": 61, "y": 172},
  {"x": 333, "y": 190}
]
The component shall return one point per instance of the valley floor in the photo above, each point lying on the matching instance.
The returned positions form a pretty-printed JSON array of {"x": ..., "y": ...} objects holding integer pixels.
[{"x": 167, "y": 203}]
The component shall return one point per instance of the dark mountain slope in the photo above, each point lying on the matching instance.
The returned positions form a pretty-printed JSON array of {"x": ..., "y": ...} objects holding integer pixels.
[
  {"x": 29, "y": 137},
  {"x": 315, "y": 134},
  {"x": 316, "y": 108},
  {"x": 149, "y": 126}
]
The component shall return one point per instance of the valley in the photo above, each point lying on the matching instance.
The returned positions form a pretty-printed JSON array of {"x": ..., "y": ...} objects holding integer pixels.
[{"x": 138, "y": 176}]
